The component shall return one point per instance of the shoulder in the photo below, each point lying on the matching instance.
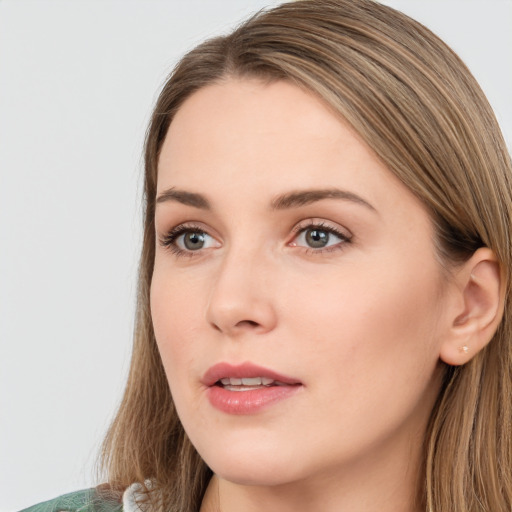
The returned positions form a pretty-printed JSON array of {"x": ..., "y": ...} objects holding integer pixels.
[{"x": 88, "y": 500}]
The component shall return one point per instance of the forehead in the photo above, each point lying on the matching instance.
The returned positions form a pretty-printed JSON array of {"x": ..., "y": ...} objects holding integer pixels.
[
  {"x": 258, "y": 139},
  {"x": 250, "y": 121},
  {"x": 269, "y": 105}
]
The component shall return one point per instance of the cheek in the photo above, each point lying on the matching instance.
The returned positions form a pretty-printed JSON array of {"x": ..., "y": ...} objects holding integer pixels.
[
  {"x": 377, "y": 327},
  {"x": 369, "y": 340},
  {"x": 174, "y": 312}
]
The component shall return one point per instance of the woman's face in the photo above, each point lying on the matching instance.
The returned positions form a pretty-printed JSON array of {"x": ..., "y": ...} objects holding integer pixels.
[{"x": 288, "y": 254}]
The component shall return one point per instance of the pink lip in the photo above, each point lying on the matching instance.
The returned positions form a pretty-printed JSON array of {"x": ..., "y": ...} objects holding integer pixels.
[
  {"x": 251, "y": 401},
  {"x": 223, "y": 370}
]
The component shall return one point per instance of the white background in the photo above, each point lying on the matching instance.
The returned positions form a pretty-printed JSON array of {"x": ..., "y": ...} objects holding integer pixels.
[{"x": 77, "y": 82}]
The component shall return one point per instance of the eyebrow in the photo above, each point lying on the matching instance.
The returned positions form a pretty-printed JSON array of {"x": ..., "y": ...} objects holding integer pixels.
[
  {"x": 187, "y": 198},
  {"x": 282, "y": 202},
  {"x": 305, "y": 197}
]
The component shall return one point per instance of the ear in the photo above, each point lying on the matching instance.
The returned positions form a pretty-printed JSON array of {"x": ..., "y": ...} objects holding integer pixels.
[{"x": 479, "y": 307}]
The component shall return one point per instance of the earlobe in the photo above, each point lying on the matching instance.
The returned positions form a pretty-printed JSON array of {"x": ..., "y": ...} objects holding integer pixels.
[{"x": 479, "y": 310}]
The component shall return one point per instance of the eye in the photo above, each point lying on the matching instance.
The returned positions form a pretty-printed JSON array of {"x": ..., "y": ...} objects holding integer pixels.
[
  {"x": 319, "y": 236},
  {"x": 188, "y": 239},
  {"x": 192, "y": 240}
]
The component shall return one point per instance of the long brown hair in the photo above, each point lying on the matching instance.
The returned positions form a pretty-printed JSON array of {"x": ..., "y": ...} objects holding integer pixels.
[{"x": 420, "y": 110}]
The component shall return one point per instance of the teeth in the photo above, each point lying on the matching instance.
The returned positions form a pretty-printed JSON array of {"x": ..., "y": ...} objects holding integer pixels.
[
  {"x": 254, "y": 381},
  {"x": 247, "y": 381}
]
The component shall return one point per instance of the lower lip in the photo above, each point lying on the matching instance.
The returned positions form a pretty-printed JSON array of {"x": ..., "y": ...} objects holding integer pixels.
[{"x": 248, "y": 402}]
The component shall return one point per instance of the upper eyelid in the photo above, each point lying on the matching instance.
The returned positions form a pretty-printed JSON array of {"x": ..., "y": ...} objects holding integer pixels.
[
  {"x": 189, "y": 226},
  {"x": 322, "y": 224},
  {"x": 303, "y": 224}
]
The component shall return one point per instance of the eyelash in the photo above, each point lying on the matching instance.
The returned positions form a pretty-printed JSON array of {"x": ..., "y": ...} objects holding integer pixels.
[
  {"x": 169, "y": 239},
  {"x": 322, "y": 226}
]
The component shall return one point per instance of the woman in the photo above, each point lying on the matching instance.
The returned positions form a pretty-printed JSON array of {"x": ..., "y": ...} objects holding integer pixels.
[{"x": 324, "y": 302}]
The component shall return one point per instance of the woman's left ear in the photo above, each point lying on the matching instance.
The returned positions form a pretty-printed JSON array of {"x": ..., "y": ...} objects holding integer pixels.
[{"x": 478, "y": 310}]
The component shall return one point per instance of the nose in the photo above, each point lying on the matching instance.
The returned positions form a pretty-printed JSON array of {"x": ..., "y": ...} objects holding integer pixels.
[{"x": 241, "y": 299}]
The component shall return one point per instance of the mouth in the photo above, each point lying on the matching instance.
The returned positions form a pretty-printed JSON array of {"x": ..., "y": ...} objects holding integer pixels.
[
  {"x": 247, "y": 383},
  {"x": 247, "y": 389},
  {"x": 244, "y": 377}
]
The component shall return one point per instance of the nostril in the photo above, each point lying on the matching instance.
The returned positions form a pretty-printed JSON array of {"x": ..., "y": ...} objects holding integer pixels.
[{"x": 247, "y": 323}]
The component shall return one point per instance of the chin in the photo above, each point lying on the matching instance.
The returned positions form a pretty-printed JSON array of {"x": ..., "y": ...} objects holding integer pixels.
[
  {"x": 256, "y": 465},
  {"x": 265, "y": 477}
]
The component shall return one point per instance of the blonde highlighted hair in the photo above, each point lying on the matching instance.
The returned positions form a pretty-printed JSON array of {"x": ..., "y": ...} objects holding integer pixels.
[{"x": 417, "y": 106}]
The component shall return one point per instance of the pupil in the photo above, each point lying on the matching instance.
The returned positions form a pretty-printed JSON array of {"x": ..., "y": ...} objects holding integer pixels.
[
  {"x": 317, "y": 238},
  {"x": 193, "y": 241}
]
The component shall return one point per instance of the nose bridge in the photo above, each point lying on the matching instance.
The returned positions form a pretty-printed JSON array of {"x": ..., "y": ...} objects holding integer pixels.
[{"x": 241, "y": 298}]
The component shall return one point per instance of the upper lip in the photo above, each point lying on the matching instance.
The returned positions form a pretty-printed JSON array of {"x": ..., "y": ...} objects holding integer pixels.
[{"x": 224, "y": 370}]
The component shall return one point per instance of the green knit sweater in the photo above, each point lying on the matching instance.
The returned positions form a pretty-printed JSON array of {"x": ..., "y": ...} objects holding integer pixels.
[{"x": 89, "y": 500}]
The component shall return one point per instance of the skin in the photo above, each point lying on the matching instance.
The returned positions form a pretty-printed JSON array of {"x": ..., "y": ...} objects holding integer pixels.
[{"x": 360, "y": 323}]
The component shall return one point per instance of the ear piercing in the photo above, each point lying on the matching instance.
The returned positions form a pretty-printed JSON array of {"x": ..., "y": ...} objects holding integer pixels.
[{"x": 464, "y": 349}]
